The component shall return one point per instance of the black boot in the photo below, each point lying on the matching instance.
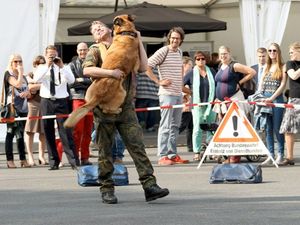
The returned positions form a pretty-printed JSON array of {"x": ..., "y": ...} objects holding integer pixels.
[
  {"x": 109, "y": 197},
  {"x": 154, "y": 192}
]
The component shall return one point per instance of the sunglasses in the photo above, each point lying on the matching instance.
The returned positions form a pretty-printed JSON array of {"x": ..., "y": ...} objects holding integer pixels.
[
  {"x": 200, "y": 58},
  {"x": 272, "y": 50},
  {"x": 17, "y": 61}
]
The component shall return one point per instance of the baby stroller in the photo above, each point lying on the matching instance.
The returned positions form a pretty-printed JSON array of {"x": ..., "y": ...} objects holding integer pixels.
[{"x": 212, "y": 127}]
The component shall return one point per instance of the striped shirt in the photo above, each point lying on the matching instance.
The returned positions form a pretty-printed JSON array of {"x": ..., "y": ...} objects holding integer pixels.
[
  {"x": 146, "y": 88},
  {"x": 170, "y": 68}
]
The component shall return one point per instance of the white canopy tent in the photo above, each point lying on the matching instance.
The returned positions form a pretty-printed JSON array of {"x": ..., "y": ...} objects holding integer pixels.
[
  {"x": 27, "y": 27},
  {"x": 263, "y": 22}
]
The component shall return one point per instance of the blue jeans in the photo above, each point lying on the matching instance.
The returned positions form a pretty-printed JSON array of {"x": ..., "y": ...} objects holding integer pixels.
[
  {"x": 118, "y": 147},
  {"x": 273, "y": 126},
  {"x": 169, "y": 126},
  {"x": 93, "y": 138}
]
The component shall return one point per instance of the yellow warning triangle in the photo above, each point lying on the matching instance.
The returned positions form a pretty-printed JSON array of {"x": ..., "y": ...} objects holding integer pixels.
[{"x": 235, "y": 127}]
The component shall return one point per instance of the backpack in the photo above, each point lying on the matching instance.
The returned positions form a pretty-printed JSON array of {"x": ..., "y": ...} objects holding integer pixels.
[{"x": 248, "y": 88}]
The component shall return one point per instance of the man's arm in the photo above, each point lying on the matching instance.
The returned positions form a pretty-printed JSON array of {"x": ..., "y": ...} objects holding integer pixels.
[
  {"x": 68, "y": 76},
  {"x": 143, "y": 55},
  {"x": 151, "y": 75},
  {"x": 90, "y": 68}
]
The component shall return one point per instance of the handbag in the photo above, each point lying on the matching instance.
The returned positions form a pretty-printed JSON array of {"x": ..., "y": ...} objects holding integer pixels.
[
  {"x": 236, "y": 174},
  {"x": 88, "y": 175},
  {"x": 7, "y": 111}
]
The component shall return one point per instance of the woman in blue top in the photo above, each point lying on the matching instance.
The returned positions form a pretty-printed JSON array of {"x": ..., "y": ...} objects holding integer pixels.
[{"x": 229, "y": 78}]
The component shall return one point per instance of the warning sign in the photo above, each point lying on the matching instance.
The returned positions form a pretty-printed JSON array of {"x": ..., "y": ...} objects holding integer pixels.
[{"x": 235, "y": 136}]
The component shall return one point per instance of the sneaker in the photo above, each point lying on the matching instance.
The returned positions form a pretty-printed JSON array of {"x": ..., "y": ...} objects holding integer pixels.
[
  {"x": 109, "y": 197},
  {"x": 165, "y": 161},
  {"x": 178, "y": 160},
  {"x": 279, "y": 159},
  {"x": 154, "y": 192},
  {"x": 61, "y": 164},
  {"x": 268, "y": 161}
]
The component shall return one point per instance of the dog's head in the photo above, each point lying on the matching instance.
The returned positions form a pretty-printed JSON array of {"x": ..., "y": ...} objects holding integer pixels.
[{"x": 123, "y": 23}]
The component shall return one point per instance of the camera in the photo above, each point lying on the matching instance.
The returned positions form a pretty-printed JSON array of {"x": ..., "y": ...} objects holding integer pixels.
[{"x": 55, "y": 59}]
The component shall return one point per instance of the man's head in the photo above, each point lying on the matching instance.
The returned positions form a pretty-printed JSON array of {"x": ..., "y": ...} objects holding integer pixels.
[
  {"x": 262, "y": 56},
  {"x": 175, "y": 37},
  {"x": 50, "y": 53},
  {"x": 100, "y": 31},
  {"x": 82, "y": 50},
  {"x": 215, "y": 57}
]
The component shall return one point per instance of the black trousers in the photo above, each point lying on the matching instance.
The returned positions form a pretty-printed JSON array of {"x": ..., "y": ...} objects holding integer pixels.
[
  {"x": 187, "y": 124},
  {"x": 54, "y": 107},
  {"x": 15, "y": 129}
]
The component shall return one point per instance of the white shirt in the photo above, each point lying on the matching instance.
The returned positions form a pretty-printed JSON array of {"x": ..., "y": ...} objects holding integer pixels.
[
  {"x": 260, "y": 72},
  {"x": 42, "y": 75}
]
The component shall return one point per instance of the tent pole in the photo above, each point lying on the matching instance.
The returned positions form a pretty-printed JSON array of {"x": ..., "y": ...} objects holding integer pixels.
[{"x": 116, "y": 5}]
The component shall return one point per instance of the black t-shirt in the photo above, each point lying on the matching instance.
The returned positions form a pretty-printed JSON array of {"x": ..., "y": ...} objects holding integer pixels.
[{"x": 294, "y": 84}]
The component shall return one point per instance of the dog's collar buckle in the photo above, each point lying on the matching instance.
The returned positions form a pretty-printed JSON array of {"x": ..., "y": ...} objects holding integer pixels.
[{"x": 130, "y": 33}]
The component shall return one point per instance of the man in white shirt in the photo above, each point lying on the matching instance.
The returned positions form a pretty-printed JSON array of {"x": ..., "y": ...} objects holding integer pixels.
[{"x": 54, "y": 77}]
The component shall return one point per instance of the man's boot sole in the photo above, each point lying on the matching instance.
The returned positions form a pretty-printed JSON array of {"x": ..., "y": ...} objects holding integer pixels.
[
  {"x": 110, "y": 202},
  {"x": 161, "y": 195}
]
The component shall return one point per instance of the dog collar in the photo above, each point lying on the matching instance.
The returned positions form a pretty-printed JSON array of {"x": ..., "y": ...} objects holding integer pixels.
[{"x": 130, "y": 33}]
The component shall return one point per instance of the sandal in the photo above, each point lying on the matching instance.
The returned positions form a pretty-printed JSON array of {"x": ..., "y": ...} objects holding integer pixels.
[{"x": 197, "y": 157}]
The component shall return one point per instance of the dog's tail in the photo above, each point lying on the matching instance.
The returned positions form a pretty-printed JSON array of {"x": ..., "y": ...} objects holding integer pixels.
[{"x": 76, "y": 115}]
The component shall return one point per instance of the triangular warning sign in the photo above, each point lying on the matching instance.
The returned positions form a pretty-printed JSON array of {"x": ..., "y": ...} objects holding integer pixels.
[
  {"x": 235, "y": 127},
  {"x": 235, "y": 136}
]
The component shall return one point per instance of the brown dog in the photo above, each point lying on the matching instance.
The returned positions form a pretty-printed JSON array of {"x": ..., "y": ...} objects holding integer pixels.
[{"x": 123, "y": 54}]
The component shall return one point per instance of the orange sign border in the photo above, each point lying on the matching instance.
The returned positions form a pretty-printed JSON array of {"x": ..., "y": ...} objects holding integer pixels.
[{"x": 234, "y": 107}]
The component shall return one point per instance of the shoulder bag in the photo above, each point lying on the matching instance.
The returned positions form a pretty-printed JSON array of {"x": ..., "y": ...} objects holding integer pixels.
[{"x": 7, "y": 111}]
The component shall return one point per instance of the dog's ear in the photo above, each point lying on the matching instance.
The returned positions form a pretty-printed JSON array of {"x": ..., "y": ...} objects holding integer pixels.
[
  {"x": 118, "y": 21},
  {"x": 131, "y": 17}
]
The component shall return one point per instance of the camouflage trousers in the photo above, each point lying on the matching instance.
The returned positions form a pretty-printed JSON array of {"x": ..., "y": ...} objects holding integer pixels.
[{"x": 132, "y": 135}]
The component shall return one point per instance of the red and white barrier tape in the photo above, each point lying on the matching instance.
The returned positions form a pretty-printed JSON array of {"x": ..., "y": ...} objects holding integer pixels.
[{"x": 280, "y": 105}]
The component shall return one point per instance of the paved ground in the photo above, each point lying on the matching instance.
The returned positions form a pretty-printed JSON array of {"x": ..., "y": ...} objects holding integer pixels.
[{"x": 36, "y": 196}]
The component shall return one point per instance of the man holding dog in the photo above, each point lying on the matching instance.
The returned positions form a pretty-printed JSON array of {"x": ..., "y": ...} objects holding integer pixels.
[{"x": 126, "y": 122}]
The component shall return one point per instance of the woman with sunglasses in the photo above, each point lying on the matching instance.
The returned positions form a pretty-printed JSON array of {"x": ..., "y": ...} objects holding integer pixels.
[
  {"x": 16, "y": 86},
  {"x": 272, "y": 85},
  {"x": 291, "y": 119},
  {"x": 201, "y": 81}
]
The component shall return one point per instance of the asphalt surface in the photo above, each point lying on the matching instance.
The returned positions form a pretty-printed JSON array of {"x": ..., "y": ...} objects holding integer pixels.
[{"x": 36, "y": 196}]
